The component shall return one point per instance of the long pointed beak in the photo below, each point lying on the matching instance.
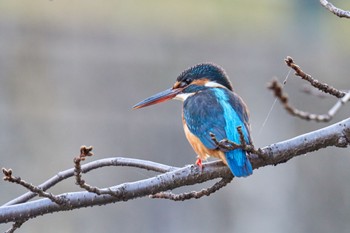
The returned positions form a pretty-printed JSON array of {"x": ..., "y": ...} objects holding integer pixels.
[{"x": 158, "y": 98}]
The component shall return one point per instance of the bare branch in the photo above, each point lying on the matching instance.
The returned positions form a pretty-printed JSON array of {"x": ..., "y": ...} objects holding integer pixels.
[
  {"x": 223, "y": 144},
  {"x": 118, "y": 161},
  {"x": 335, "y": 135},
  {"x": 315, "y": 83},
  {"x": 186, "y": 196},
  {"x": 10, "y": 178},
  {"x": 277, "y": 88},
  {"x": 337, "y": 11},
  {"x": 168, "y": 195},
  {"x": 188, "y": 175}
]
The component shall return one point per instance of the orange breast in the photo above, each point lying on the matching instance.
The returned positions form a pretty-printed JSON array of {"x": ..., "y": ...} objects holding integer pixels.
[{"x": 202, "y": 151}]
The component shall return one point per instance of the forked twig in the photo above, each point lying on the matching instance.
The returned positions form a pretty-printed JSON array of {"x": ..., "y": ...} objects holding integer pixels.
[
  {"x": 277, "y": 88},
  {"x": 227, "y": 145},
  {"x": 85, "y": 152}
]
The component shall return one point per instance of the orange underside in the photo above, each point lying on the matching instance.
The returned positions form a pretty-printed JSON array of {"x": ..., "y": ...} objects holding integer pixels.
[{"x": 202, "y": 152}]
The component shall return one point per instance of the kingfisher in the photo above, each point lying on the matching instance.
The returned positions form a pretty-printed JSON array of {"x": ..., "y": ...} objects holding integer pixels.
[{"x": 210, "y": 106}]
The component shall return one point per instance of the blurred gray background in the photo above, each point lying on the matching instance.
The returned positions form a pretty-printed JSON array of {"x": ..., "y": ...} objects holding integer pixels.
[{"x": 70, "y": 71}]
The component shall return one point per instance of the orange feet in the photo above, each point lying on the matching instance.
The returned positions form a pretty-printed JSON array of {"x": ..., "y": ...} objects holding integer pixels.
[{"x": 199, "y": 164}]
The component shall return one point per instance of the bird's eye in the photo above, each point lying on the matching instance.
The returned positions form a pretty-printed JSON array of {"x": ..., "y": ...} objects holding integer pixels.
[{"x": 188, "y": 80}]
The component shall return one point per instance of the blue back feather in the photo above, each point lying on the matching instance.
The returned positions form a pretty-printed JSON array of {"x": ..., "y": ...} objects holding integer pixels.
[{"x": 220, "y": 111}]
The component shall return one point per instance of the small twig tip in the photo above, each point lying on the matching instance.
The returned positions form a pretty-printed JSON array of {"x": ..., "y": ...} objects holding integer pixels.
[{"x": 85, "y": 151}]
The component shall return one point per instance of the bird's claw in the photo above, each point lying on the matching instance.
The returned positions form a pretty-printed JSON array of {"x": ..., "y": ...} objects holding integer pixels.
[{"x": 199, "y": 164}]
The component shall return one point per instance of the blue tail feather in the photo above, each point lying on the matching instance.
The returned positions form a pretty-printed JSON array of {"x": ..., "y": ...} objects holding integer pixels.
[{"x": 239, "y": 163}]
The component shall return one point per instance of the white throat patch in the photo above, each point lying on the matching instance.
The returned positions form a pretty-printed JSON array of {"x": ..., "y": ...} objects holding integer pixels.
[
  {"x": 183, "y": 96},
  {"x": 214, "y": 84}
]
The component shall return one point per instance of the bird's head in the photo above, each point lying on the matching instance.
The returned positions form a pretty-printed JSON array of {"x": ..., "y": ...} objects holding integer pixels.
[{"x": 190, "y": 81}]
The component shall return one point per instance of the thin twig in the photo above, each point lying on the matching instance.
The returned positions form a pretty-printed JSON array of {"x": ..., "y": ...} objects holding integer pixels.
[
  {"x": 15, "y": 226},
  {"x": 17, "y": 180},
  {"x": 335, "y": 10},
  {"x": 277, "y": 88},
  {"x": 84, "y": 152},
  {"x": 315, "y": 83},
  {"x": 194, "y": 194},
  {"x": 227, "y": 145}
]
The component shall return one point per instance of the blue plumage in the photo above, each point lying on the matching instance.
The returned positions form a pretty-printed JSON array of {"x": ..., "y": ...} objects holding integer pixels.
[
  {"x": 219, "y": 111},
  {"x": 236, "y": 159},
  {"x": 210, "y": 106}
]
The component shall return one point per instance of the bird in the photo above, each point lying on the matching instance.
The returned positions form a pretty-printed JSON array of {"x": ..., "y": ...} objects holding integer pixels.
[{"x": 210, "y": 107}]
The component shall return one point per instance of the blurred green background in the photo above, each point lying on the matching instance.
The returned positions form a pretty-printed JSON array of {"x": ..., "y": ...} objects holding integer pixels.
[{"x": 70, "y": 71}]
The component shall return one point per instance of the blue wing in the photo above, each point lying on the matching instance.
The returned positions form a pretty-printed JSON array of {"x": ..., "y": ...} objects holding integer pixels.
[{"x": 219, "y": 111}]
